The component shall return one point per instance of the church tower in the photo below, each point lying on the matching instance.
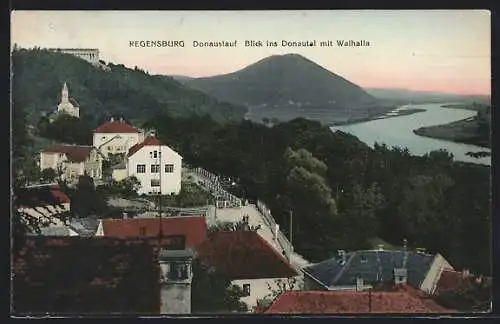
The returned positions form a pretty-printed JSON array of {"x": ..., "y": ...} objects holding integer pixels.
[
  {"x": 65, "y": 94},
  {"x": 66, "y": 107}
]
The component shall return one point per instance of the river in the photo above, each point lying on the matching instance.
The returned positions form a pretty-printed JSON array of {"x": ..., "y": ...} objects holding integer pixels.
[{"x": 398, "y": 131}]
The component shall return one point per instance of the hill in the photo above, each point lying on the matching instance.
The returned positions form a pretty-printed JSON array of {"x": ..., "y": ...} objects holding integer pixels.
[
  {"x": 281, "y": 80},
  {"x": 284, "y": 87},
  {"x": 38, "y": 76}
]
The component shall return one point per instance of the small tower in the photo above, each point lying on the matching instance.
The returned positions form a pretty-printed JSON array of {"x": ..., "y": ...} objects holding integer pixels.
[
  {"x": 65, "y": 94},
  {"x": 175, "y": 281},
  {"x": 401, "y": 274}
]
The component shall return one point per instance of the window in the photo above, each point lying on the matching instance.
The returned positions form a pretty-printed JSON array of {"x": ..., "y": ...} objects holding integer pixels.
[
  {"x": 155, "y": 182},
  {"x": 246, "y": 289},
  {"x": 178, "y": 271},
  {"x": 155, "y": 168},
  {"x": 103, "y": 138},
  {"x": 110, "y": 148},
  {"x": 155, "y": 154},
  {"x": 169, "y": 168},
  {"x": 141, "y": 168},
  {"x": 142, "y": 231}
]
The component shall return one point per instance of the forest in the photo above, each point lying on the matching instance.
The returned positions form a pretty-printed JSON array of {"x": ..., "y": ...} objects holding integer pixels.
[
  {"x": 38, "y": 76},
  {"x": 342, "y": 193}
]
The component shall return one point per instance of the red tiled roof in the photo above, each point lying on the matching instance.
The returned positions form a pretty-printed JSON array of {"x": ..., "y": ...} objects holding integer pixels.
[
  {"x": 117, "y": 276},
  {"x": 115, "y": 127},
  {"x": 243, "y": 255},
  {"x": 194, "y": 228},
  {"x": 150, "y": 140},
  {"x": 75, "y": 153},
  {"x": 352, "y": 302}
]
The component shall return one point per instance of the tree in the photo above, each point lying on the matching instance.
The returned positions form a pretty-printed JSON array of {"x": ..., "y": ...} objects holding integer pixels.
[
  {"x": 212, "y": 292},
  {"x": 48, "y": 175},
  {"x": 85, "y": 200},
  {"x": 280, "y": 286}
]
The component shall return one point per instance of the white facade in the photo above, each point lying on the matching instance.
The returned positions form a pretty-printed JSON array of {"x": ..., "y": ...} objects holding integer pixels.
[
  {"x": 88, "y": 54},
  {"x": 156, "y": 167},
  {"x": 65, "y": 106},
  {"x": 115, "y": 143},
  {"x": 431, "y": 279}
]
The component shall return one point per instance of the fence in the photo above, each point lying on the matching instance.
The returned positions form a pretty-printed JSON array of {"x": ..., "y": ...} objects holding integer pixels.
[
  {"x": 211, "y": 182},
  {"x": 280, "y": 237}
]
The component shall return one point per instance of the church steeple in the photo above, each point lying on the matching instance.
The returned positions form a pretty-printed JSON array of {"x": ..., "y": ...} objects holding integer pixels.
[{"x": 65, "y": 94}]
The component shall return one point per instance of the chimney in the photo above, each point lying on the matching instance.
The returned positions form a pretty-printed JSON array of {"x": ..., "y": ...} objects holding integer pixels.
[
  {"x": 465, "y": 273},
  {"x": 176, "y": 276},
  {"x": 380, "y": 247},
  {"x": 360, "y": 283},
  {"x": 276, "y": 229},
  {"x": 121, "y": 119},
  {"x": 400, "y": 276},
  {"x": 342, "y": 256},
  {"x": 112, "y": 119}
]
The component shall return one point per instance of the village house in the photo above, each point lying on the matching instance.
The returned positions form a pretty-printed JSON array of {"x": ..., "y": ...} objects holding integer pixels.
[
  {"x": 192, "y": 228},
  {"x": 362, "y": 270},
  {"x": 248, "y": 260},
  {"x": 116, "y": 137},
  {"x": 72, "y": 161},
  {"x": 156, "y": 166}
]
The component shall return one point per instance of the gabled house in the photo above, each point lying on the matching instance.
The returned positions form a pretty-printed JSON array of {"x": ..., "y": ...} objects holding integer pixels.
[
  {"x": 192, "y": 228},
  {"x": 365, "y": 269},
  {"x": 116, "y": 137},
  {"x": 156, "y": 166},
  {"x": 405, "y": 300},
  {"x": 247, "y": 260},
  {"x": 72, "y": 161}
]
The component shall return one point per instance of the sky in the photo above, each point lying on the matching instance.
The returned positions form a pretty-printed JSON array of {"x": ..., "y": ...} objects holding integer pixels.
[{"x": 423, "y": 50}]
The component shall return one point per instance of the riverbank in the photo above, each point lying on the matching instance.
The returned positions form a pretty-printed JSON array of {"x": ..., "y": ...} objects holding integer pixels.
[
  {"x": 385, "y": 116},
  {"x": 463, "y": 131}
]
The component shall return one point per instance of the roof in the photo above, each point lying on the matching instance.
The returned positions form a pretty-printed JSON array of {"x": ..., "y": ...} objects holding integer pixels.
[
  {"x": 194, "y": 228},
  {"x": 243, "y": 255},
  {"x": 75, "y": 153},
  {"x": 115, "y": 127},
  {"x": 53, "y": 231},
  {"x": 84, "y": 226},
  {"x": 40, "y": 196},
  {"x": 352, "y": 302},
  {"x": 371, "y": 265},
  {"x": 149, "y": 141},
  {"x": 451, "y": 280},
  {"x": 116, "y": 277}
]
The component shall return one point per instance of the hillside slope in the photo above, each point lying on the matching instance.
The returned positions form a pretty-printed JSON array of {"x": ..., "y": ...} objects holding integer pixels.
[
  {"x": 38, "y": 76},
  {"x": 282, "y": 80}
]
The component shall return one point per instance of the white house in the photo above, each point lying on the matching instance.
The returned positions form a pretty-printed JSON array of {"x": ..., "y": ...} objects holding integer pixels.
[
  {"x": 250, "y": 262},
  {"x": 72, "y": 161},
  {"x": 116, "y": 137},
  {"x": 156, "y": 166},
  {"x": 67, "y": 107}
]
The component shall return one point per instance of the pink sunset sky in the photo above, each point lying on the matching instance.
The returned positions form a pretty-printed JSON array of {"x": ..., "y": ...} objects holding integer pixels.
[{"x": 428, "y": 50}]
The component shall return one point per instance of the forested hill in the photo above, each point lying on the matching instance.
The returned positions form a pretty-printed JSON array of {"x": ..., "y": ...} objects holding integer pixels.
[
  {"x": 282, "y": 80},
  {"x": 38, "y": 76}
]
